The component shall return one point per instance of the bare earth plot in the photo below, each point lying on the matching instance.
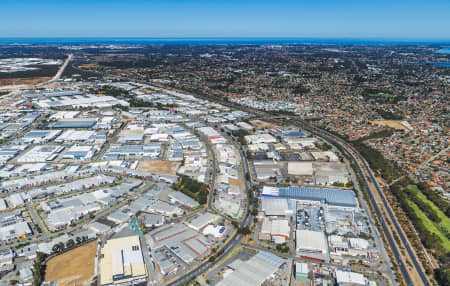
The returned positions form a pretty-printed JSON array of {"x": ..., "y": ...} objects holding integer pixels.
[
  {"x": 125, "y": 132},
  {"x": 159, "y": 166},
  {"x": 262, "y": 124},
  {"x": 22, "y": 81},
  {"x": 390, "y": 123},
  {"x": 235, "y": 182},
  {"x": 89, "y": 66},
  {"x": 75, "y": 267}
]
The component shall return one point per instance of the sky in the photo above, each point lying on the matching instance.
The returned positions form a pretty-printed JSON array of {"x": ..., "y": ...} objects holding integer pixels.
[{"x": 389, "y": 19}]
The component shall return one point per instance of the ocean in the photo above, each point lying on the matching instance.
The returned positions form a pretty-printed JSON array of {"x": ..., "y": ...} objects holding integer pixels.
[
  {"x": 218, "y": 40},
  {"x": 443, "y": 51}
]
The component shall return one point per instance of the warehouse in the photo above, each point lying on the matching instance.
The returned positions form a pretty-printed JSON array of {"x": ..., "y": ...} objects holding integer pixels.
[
  {"x": 276, "y": 230},
  {"x": 260, "y": 138},
  {"x": 164, "y": 208},
  {"x": 122, "y": 262},
  {"x": 25, "y": 169},
  {"x": 152, "y": 220},
  {"x": 151, "y": 151},
  {"x": 39, "y": 136},
  {"x": 32, "y": 181},
  {"x": 245, "y": 126},
  {"x": 347, "y": 278},
  {"x": 13, "y": 226},
  {"x": 78, "y": 152},
  {"x": 216, "y": 231},
  {"x": 41, "y": 154},
  {"x": 64, "y": 115},
  {"x": 300, "y": 168},
  {"x": 184, "y": 200},
  {"x": 73, "y": 186},
  {"x": 83, "y": 100},
  {"x": 208, "y": 132},
  {"x": 76, "y": 136},
  {"x": 253, "y": 272},
  {"x": 9, "y": 152},
  {"x": 185, "y": 243},
  {"x": 311, "y": 244},
  {"x": 75, "y": 123},
  {"x": 201, "y": 220},
  {"x": 332, "y": 197},
  {"x": 99, "y": 228}
]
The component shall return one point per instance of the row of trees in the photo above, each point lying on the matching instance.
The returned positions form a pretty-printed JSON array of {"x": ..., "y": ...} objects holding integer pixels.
[
  {"x": 59, "y": 247},
  {"x": 388, "y": 170}
]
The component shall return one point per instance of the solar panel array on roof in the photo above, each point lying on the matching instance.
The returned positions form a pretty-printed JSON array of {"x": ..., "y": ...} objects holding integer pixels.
[{"x": 329, "y": 196}]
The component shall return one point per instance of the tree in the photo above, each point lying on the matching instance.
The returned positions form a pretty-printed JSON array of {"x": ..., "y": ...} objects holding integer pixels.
[
  {"x": 70, "y": 243},
  {"x": 78, "y": 240},
  {"x": 244, "y": 230},
  {"x": 56, "y": 248}
]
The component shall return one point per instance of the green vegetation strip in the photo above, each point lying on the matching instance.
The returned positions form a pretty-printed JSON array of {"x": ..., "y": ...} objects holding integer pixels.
[
  {"x": 430, "y": 226},
  {"x": 444, "y": 220},
  {"x": 194, "y": 189}
]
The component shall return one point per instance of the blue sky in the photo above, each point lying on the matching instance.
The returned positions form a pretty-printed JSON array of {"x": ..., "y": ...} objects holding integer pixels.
[{"x": 232, "y": 18}]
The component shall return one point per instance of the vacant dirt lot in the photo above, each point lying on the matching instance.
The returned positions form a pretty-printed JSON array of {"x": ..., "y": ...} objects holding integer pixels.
[
  {"x": 22, "y": 81},
  {"x": 75, "y": 267},
  {"x": 131, "y": 131},
  {"x": 261, "y": 124},
  {"x": 158, "y": 166},
  {"x": 89, "y": 66},
  {"x": 390, "y": 123},
  {"x": 235, "y": 182}
]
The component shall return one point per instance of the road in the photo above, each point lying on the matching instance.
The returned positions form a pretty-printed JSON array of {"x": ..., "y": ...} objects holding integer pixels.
[
  {"x": 379, "y": 242},
  {"x": 61, "y": 69},
  {"x": 236, "y": 238}
]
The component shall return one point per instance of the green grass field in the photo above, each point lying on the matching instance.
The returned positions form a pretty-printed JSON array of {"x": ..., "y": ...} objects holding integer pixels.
[
  {"x": 445, "y": 221},
  {"x": 437, "y": 228}
]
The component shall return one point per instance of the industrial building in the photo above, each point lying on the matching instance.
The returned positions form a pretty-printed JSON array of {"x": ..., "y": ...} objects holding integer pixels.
[
  {"x": 182, "y": 199},
  {"x": 13, "y": 226},
  {"x": 74, "y": 123},
  {"x": 301, "y": 272},
  {"x": 312, "y": 245},
  {"x": 276, "y": 230},
  {"x": 201, "y": 220},
  {"x": 254, "y": 271},
  {"x": 185, "y": 243},
  {"x": 332, "y": 197},
  {"x": 39, "y": 136},
  {"x": 122, "y": 262},
  {"x": 347, "y": 278},
  {"x": 42, "y": 153}
]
